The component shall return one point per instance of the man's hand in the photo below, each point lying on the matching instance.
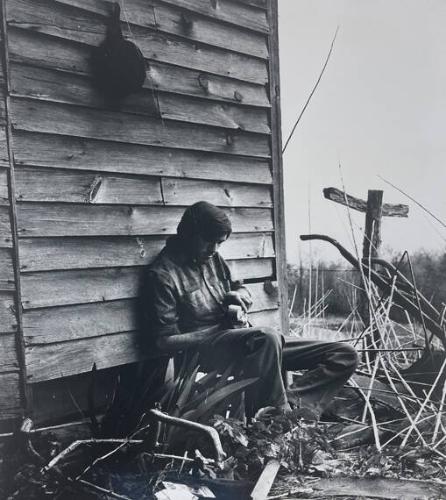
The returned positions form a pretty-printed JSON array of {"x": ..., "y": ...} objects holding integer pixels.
[{"x": 239, "y": 298}]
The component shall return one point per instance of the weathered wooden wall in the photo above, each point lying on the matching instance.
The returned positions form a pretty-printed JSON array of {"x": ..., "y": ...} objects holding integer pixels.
[
  {"x": 98, "y": 190},
  {"x": 12, "y": 401}
]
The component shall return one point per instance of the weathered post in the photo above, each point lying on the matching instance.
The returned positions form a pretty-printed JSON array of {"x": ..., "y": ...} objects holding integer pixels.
[
  {"x": 374, "y": 210},
  {"x": 371, "y": 245}
]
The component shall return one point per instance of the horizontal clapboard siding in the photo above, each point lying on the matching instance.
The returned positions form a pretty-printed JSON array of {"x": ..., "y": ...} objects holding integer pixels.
[
  {"x": 233, "y": 12},
  {"x": 98, "y": 189},
  {"x": 4, "y": 197},
  {"x": 46, "y": 52},
  {"x": 173, "y": 20},
  {"x": 41, "y": 116},
  {"x": 11, "y": 403},
  {"x": 70, "y": 88},
  {"x": 43, "y": 219},
  {"x": 46, "y": 254},
  {"x": 49, "y": 361},
  {"x": 62, "y": 22},
  {"x": 34, "y": 184},
  {"x": 91, "y": 285},
  {"x": 86, "y": 154},
  {"x": 64, "y": 323}
]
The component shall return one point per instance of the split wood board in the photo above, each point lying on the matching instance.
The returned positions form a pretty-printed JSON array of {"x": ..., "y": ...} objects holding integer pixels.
[
  {"x": 83, "y": 286},
  {"x": 63, "y": 119},
  {"x": 59, "y": 21},
  {"x": 51, "y": 185},
  {"x": 64, "y": 87},
  {"x": 76, "y": 153},
  {"x": 59, "y": 219},
  {"x": 172, "y": 20},
  {"x": 42, "y": 51},
  {"x": 46, "y": 254}
]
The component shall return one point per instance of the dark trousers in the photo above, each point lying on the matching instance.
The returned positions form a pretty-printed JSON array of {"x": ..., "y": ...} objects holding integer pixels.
[{"x": 263, "y": 354}]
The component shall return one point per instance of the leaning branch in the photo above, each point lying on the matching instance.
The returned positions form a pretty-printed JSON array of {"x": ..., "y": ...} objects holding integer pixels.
[{"x": 399, "y": 298}]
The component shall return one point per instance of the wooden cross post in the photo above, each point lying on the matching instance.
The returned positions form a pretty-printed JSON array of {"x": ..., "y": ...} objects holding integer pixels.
[{"x": 374, "y": 211}]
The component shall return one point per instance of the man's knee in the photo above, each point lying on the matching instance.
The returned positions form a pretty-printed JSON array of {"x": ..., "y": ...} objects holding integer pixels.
[{"x": 268, "y": 337}]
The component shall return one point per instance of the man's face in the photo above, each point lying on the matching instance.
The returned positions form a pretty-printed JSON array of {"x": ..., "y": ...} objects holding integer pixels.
[{"x": 205, "y": 249}]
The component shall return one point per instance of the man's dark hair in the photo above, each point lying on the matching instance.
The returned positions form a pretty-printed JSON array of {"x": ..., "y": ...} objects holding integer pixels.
[{"x": 205, "y": 220}]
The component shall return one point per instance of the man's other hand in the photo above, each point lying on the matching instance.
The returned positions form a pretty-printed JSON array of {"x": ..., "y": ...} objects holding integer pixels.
[{"x": 239, "y": 298}]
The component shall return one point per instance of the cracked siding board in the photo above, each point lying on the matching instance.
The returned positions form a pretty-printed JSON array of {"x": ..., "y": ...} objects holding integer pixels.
[
  {"x": 51, "y": 185},
  {"x": 173, "y": 20},
  {"x": 61, "y": 288},
  {"x": 59, "y": 219},
  {"x": 88, "y": 154},
  {"x": 66, "y": 56},
  {"x": 47, "y": 254},
  {"x": 63, "y": 119},
  {"x": 61, "y": 22},
  {"x": 69, "y": 88},
  {"x": 52, "y": 325}
]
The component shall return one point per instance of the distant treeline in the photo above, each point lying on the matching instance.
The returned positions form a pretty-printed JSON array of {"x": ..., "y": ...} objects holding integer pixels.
[{"x": 342, "y": 283}]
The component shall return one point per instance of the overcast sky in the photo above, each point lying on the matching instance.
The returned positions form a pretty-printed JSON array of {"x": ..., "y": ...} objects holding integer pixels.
[{"x": 379, "y": 110}]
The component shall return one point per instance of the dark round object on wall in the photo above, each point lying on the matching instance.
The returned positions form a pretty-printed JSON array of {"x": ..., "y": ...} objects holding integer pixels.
[{"x": 117, "y": 65}]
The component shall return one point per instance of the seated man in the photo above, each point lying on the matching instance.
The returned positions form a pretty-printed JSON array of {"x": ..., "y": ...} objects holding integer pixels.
[{"x": 189, "y": 298}]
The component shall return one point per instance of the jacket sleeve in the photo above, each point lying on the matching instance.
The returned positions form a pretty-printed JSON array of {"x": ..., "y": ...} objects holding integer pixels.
[{"x": 160, "y": 305}]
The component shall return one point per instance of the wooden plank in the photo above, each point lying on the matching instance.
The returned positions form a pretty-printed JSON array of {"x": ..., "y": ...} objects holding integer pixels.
[
  {"x": 58, "y": 219},
  {"x": 37, "y": 184},
  {"x": 57, "y": 360},
  {"x": 228, "y": 11},
  {"x": 167, "y": 19},
  {"x": 66, "y": 323},
  {"x": 6, "y": 270},
  {"x": 65, "y": 359},
  {"x": 276, "y": 156},
  {"x": 52, "y": 325},
  {"x": 41, "y": 116},
  {"x": 252, "y": 269},
  {"x": 4, "y": 155},
  {"x": 388, "y": 210},
  {"x": 2, "y": 100},
  {"x": 10, "y": 395},
  {"x": 82, "y": 154},
  {"x": 81, "y": 286},
  {"x": 51, "y": 185},
  {"x": 261, "y": 4},
  {"x": 46, "y": 254},
  {"x": 70, "y": 88},
  {"x": 266, "y": 480},
  {"x": 50, "y": 289},
  {"x": 58, "y": 21},
  {"x": 186, "y": 81},
  {"x": 8, "y": 353},
  {"x": 64, "y": 87},
  {"x": 4, "y": 196},
  {"x": 187, "y": 192},
  {"x": 175, "y": 107},
  {"x": 5, "y": 227},
  {"x": 47, "y": 52},
  {"x": 8, "y": 320},
  {"x": 47, "y": 362}
]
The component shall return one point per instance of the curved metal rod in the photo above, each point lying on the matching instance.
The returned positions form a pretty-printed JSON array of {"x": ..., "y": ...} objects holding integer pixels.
[{"x": 386, "y": 287}]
